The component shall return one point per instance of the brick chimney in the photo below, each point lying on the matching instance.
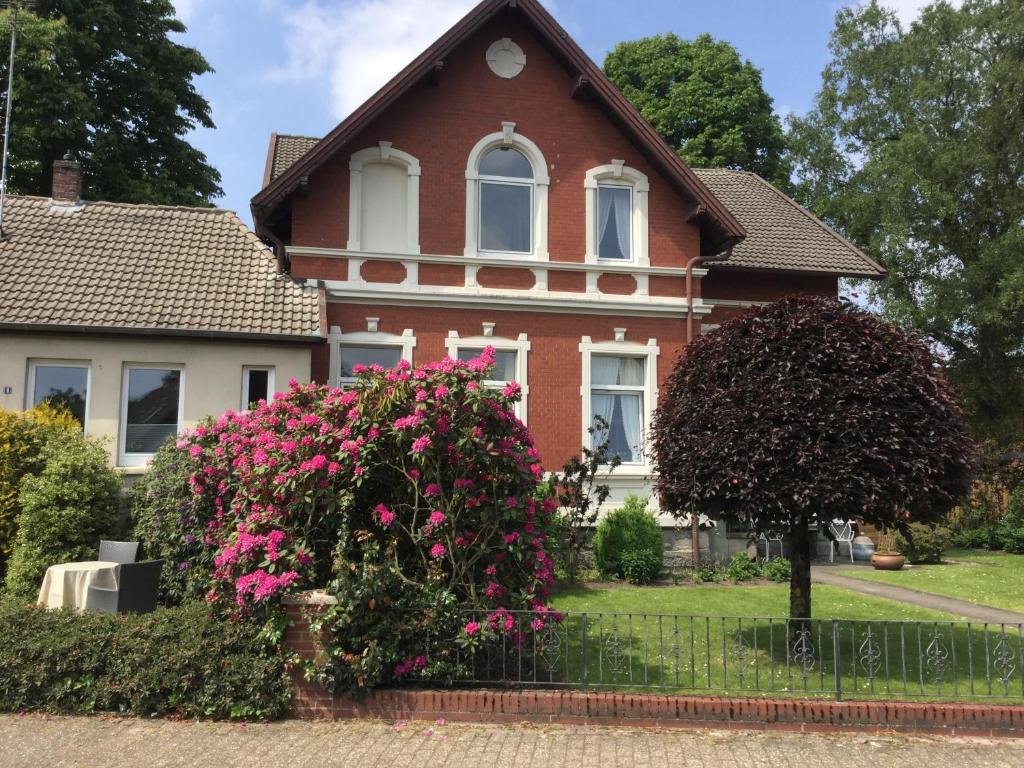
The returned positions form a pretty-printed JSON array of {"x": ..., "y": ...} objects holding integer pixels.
[{"x": 67, "y": 180}]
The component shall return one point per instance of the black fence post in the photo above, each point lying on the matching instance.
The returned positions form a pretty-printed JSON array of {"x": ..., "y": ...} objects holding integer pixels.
[
  {"x": 837, "y": 664},
  {"x": 583, "y": 651}
]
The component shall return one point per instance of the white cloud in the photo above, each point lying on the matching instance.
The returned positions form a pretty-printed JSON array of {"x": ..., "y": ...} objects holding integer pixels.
[
  {"x": 359, "y": 45},
  {"x": 186, "y": 8}
]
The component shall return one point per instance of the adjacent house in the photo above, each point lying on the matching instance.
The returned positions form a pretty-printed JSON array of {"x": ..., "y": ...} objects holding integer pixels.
[
  {"x": 143, "y": 319},
  {"x": 501, "y": 191}
]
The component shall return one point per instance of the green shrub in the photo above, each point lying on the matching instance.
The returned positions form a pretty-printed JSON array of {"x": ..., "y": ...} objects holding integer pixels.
[
  {"x": 742, "y": 567},
  {"x": 708, "y": 573},
  {"x": 22, "y": 437},
  {"x": 925, "y": 544},
  {"x": 65, "y": 510},
  {"x": 1011, "y": 532},
  {"x": 640, "y": 566},
  {"x": 629, "y": 529},
  {"x": 182, "y": 661},
  {"x": 172, "y": 523},
  {"x": 777, "y": 569}
]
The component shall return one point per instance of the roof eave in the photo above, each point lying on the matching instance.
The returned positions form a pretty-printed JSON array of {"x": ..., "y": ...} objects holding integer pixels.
[{"x": 106, "y": 330}]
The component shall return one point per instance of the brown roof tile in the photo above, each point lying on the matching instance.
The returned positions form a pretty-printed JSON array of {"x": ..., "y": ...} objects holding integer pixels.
[
  {"x": 781, "y": 234},
  {"x": 151, "y": 268}
]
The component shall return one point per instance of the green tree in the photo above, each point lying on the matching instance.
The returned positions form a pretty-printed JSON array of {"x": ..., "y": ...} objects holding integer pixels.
[
  {"x": 104, "y": 80},
  {"x": 704, "y": 100},
  {"x": 915, "y": 151}
]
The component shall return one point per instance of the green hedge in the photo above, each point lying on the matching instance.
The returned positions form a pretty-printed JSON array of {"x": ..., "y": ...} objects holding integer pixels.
[
  {"x": 630, "y": 535},
  {"x": 179, "y": 661}
]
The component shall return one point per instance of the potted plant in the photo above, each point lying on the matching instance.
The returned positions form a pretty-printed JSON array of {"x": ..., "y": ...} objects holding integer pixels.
[{"x": 886, "y": 558}]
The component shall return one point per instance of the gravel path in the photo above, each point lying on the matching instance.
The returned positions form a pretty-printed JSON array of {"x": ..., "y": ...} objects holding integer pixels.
[{"x": 107, "y": 742}]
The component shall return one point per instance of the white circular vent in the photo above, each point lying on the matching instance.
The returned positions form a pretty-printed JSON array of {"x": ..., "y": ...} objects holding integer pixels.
[{"x": 505, "y": 58}]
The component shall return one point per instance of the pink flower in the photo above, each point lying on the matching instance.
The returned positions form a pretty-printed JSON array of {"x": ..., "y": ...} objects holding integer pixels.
[
  {"x": 333, "y": 467},
  {"x": 385, "y": 515},
  {"x": 472, "y": 628},
  {"x": 512, "y": 389},
  {"x": 438, "y": 550},
  {"x": 432, "y": 490},
  {"x": 420, "y": 444},
  {"x": 440, "y": 391},
  {"x": 195, "y": 451},
  {"x": 437, "y": 518}
]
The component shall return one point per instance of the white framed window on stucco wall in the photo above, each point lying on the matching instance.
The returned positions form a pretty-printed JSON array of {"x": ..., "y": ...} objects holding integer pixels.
[
  {"x": 152, "y": 409},
  {"x": 61, "y": 382},
  {"x": 511, "y": 359},
  {"x": 620, "y": 384},
  {"x": 369, "y": 347},
  {"x": 491, "y": 177},
  {"x": 616, "y": 211},
  {"x": 257, "y": 384},
  {"x": 384, "y": 200}
]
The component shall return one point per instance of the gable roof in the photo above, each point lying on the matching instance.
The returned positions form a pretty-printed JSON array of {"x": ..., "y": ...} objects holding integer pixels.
[
  {"x": 715, "y": 219},
  {"x": 781, "y": 234},
  {"x": 169, "y": 270}
]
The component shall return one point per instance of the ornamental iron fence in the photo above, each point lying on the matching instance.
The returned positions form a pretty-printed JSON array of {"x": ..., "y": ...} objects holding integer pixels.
[{"x": 838, "y": 658}]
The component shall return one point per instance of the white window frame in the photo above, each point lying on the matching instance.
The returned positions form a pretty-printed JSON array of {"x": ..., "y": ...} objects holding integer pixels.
[
  {"x": 622, "y": 348},
  {"x": 618, "y": 174},
  {"x": 383, "y": 153},
  {"x": 507, "y": 137},
  {"x": 404, "y": 342},
  {"x": 246, "y": 369},
  {"x": 125, "y": 459},
  {"x": 30, "y": 387},
  {"x": 520, "y": 345}
]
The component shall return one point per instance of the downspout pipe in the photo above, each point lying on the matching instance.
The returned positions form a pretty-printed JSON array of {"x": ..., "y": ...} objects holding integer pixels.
[{"x": 694, "y": 515}]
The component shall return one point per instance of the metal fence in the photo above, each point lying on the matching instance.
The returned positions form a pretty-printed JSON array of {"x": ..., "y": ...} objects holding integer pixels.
[{"x": 705, "y": 654}]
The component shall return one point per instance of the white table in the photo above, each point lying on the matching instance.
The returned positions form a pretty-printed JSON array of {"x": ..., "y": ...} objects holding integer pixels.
[{"x": 66, "y": 585}]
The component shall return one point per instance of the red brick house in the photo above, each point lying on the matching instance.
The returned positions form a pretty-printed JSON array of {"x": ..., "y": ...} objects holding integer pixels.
[{"x": 501, "y": 191}]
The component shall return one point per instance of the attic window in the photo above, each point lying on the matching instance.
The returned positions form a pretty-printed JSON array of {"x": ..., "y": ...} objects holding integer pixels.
[{"x": 506, "y": 201}]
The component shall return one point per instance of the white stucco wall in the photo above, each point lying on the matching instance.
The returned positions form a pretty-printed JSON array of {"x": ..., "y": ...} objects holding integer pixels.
[{"x": 212, "y": 381}]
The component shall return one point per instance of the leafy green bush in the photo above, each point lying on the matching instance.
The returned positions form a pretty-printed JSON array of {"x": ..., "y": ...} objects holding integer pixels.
[
  {"x": 1011, "y": 532},
  {"x": 708, "y": 573},
  {"x": 777, "y": 569},
  {"x": 65, "y": 510},
  {"x": 630, "y": 528},
  {"x": 173, "y": 524},
  {"x": 182, "y": 661},
  {"x": 925, "y": 544},
  {"x": 640, "y": 566},
  {"x": 22, "y": 437},
  {"x": 742, "y": 567}
]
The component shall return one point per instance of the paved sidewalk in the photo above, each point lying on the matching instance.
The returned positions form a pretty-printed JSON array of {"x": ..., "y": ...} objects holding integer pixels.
[
  {"x": 968, "y": 610},
  {"x": 32, "y": 741}
]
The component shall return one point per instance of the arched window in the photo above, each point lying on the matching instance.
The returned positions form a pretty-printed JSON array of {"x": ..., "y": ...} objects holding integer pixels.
[
  {"x": 506, "y": 197},
  {"x": 616, "y": 214},
  {"x": 384, "y": 200}
]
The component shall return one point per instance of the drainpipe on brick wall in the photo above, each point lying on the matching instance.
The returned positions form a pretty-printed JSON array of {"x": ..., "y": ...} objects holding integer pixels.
[{"x": 694, "y": 515}]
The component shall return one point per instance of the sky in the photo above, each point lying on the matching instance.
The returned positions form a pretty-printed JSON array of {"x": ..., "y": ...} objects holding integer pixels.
[{"x": 300, "y": 66}]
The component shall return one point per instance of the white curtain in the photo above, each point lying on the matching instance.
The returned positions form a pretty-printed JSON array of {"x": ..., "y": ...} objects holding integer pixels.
[
  {"x": 631, "y": 371},
  {"x": 630, "y": 410},
  {"x": 605, "y": 207},
  {"x": 601, "y": 406},
  {"x": 604, "y": 370},
  {"x": 622, "y": 214}
]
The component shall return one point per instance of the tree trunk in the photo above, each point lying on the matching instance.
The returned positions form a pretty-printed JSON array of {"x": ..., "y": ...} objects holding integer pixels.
[{"x": 800, "y": 573}]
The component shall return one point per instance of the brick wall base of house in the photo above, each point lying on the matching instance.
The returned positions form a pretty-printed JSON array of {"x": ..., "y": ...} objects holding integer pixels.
[{"x": 312, "y": 701}]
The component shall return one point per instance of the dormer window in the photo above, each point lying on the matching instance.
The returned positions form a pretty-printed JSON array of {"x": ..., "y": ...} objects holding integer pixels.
[
  {"x": 506, "y": 197},
  {"x": 506, "y": 202},
  {"x": 614, "y": 214}
]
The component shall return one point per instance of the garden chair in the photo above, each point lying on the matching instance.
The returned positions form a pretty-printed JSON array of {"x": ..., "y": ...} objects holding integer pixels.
[
  {"x": 138, "y": 585},
  {"x": 118, "y": 551},
  {"x": 768, "y": 538},
  {"x": 842, "y": 533}
]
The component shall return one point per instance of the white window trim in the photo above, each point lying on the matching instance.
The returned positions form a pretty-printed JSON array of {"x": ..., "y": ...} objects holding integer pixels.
[
  {"x": 405, "y": 341},
  {"x": 31, "y": 384},
  {"x": 383, "y": 153},
  {"x": 520, "y": 345},
  {"x": 125, "y": 459},
  {"x": 622, "y": 348},
  {"x": 245, "y": 383},
  {"x": 507, "y": 137},
  {"x": 617, "y": 173}
]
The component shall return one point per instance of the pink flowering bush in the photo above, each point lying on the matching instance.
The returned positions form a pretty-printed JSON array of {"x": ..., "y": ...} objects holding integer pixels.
[{"x": 408, "y": 496}]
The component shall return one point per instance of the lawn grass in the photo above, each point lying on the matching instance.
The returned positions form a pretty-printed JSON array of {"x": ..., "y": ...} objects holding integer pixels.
[
  {"x": 682, "y": 640},
  {"x": 989, "y": 578}
]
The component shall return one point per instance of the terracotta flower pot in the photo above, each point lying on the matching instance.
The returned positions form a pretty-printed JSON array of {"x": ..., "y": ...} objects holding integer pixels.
[{"x": 887, "y": 561}]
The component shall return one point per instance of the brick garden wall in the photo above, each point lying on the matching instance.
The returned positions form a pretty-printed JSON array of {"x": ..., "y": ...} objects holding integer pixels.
[{"x": 640, "y": 710}]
